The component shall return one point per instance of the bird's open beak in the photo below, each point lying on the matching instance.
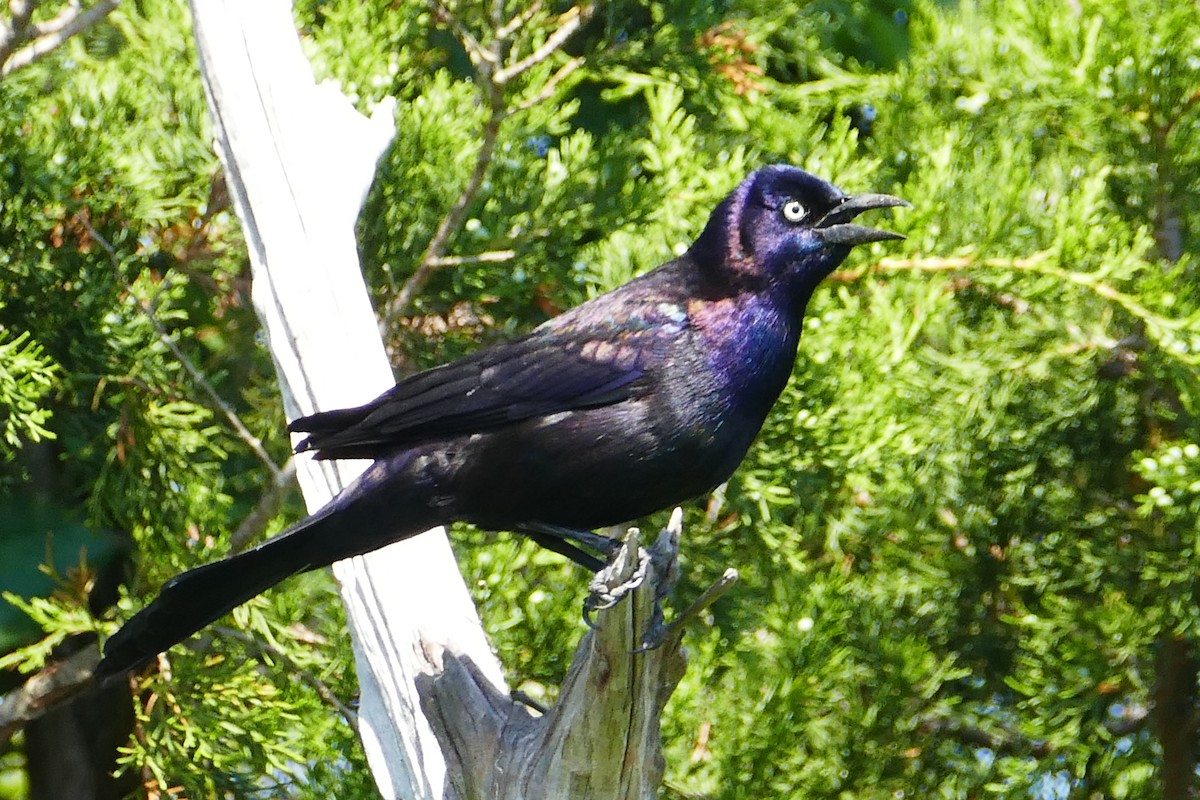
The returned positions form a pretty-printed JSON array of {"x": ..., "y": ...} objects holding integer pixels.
[{"x": 835, "y": 227}]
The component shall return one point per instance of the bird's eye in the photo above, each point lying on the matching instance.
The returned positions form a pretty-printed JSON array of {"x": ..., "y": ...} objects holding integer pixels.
[{"x": 793, "y": 211}]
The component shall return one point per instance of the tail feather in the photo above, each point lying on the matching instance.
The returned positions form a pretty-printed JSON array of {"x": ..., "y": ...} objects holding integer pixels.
[
  {"x": 324, "y": 425},
  {"x": 364, "y": 517},
  {"x": 187, "y": 603}
]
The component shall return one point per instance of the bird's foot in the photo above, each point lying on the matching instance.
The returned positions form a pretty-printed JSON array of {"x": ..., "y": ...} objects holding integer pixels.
[
  {"x": 629, "y": 568},
  {"x": 624, "y": 572},
  {"x": 661, "y": 633}
]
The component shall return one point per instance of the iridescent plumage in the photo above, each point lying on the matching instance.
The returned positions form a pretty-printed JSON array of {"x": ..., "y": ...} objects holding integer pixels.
[{"x": 634, "y": 401}]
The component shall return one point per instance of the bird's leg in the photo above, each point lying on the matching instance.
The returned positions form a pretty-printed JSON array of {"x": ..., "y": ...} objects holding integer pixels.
[
  {"x": 563, "y": 548},
  {"x": 540, "y": 531},
  {"x": 523, "y": 698}
]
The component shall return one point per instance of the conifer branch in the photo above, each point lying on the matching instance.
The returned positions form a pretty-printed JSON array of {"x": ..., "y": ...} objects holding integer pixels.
[
  {"x": 455, "y": 217},
  {"x": 265, "y": 650},
  {"x": 1038, "y": 263},
  {"x": 937, "y": 264},
  {"x": 45, "y": 37},
  {"x": 552, "y": 84},
  {"x": 149, "y": 309},
  {"x": 492, "y": 82},
  {"x": 235, "y": 421},
  {"x": 478, "y": 54},
  {"x": 572, "y": 21}
]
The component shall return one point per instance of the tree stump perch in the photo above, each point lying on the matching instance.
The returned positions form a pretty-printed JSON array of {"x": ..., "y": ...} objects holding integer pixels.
[{"x": 601, "y": 740}]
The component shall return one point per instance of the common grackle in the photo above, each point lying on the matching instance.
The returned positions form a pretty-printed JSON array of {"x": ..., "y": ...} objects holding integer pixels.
[{"x": 634, "y": 401}]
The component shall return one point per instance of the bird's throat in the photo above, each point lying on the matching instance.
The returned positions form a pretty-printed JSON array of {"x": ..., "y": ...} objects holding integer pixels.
[{"x": 751, "y": 342}]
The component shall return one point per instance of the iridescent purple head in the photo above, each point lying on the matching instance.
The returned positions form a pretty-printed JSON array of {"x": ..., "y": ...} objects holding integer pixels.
[{"x": 788, "y": 227}]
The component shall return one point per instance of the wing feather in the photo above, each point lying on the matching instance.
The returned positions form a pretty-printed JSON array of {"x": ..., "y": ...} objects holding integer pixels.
[{"x": 544, "y": 373}]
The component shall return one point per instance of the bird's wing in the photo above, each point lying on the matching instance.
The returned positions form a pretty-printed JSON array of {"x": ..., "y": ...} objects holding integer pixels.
[{"x": 559, "y": 367}]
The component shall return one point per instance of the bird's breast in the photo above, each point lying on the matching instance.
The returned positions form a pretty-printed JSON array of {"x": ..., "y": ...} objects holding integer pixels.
[{"x": 750, "y": 346}]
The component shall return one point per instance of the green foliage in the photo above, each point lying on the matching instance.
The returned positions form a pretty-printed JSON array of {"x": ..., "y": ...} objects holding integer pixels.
[
  {"x": 965, "y": 533},
  {"x": 114, "y": 242},
  {"x": 60, "y": 620},
  {"x": 244, "y": 716},
  {"x": 26, "y": 377}
]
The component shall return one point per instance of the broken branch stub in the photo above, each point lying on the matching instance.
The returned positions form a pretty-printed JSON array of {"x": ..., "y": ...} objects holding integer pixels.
[{"x": 602, "y": 739}]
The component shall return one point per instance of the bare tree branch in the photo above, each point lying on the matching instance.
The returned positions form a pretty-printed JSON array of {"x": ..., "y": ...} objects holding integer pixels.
[
  {"x": 1007, "y": 742},
  {"x": 15, "y": 32},
  {"x": 572, "y": 21},
  {"x": 489, "y": 257},
  {"x": 50, "y": 35},
  {"x": 506, "y": 30},
  {"x": 1002, "y": 741},
  {"x": 492, "y": 82},
  {"x": 59, "y": 21},
  {"x": 46, "y": 689}
]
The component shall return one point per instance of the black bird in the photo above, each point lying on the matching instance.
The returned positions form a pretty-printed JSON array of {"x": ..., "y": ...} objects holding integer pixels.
[{"x": 632, "y": 402}]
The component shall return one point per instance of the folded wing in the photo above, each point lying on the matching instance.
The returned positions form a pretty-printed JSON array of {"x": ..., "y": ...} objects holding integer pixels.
[{"x": 544, "y": 373}]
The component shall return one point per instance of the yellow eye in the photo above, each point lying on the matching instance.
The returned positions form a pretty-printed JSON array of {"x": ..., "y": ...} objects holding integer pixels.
[{"x": 793, "y": 211}]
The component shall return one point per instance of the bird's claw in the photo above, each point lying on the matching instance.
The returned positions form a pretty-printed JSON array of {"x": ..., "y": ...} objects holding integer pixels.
[
  {"x": 659, "y": 560},
  {"x": 624, "y": 572},
  {"x": 657, "y": 634},
  {"x": 627, "y": 569},
  {"x": 709, "y": 596}
]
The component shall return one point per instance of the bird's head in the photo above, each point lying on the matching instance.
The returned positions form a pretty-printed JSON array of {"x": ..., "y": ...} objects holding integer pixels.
[{"x": 788, "y": 227}]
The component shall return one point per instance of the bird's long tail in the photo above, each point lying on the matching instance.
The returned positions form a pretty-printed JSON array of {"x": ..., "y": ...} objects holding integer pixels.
[{"x": 354, "y": 523}]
